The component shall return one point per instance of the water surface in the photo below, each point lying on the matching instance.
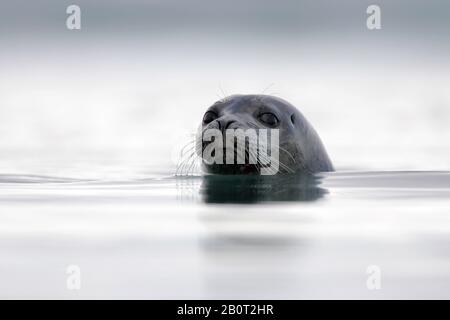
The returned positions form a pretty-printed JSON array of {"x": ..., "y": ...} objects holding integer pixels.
[
  {"x": 91, "y": 121},
  {"x": 164, "y": 236}
]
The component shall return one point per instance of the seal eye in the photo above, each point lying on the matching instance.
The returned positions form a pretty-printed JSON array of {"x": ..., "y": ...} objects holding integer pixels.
[
  {"x": 209, "y": 117},
  {"x": 269, "y": 119}
]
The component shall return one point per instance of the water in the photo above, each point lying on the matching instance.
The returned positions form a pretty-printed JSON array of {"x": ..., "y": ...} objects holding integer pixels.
[
  {"x": 163, "y": 236},
  {"x": 92, "y": 122}
]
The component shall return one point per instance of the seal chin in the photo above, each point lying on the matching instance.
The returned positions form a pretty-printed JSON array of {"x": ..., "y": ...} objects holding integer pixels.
[{"x": 232, "y": 169}]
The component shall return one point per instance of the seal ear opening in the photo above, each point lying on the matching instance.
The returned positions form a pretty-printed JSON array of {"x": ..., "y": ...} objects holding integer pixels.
[{"x": 293, "y": 118}]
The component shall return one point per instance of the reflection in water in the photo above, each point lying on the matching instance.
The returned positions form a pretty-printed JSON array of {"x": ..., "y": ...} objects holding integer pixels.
[
  {"x": 253, "y": 188},
  {"x": 257, "y": 246}
]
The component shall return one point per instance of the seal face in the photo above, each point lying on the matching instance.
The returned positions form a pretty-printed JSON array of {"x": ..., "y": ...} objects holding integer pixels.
[{"x": 299, "y": 148}]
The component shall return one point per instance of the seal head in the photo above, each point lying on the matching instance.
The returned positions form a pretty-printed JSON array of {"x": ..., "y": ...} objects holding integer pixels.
[{"x": 299, "y": 146}]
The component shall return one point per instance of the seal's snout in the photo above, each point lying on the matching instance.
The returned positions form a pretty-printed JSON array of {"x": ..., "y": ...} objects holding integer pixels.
[
  {"x": 222, "y": 124},
  {"x": 228, "y": 122},
  {"x": 226, "y": 127},
  {"x": 225, "y": 124}
]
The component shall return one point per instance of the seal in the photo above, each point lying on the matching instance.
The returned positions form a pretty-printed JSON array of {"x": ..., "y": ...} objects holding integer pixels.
[{"x": 299, "y": 147}]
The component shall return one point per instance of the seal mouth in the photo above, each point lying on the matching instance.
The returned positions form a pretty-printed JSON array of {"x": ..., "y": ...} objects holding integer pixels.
[{"x": 231, "y": 168}]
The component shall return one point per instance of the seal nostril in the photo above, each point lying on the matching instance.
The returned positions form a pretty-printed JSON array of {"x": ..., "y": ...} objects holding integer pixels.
[
  {"x": 229, "y": 123},
  {"x": 293, "y": 118}
]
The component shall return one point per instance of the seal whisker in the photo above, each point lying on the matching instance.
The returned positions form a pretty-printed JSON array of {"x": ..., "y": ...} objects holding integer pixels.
[
  {"x": 223, "y": 92},
  {"x": 189, "y": 144},
  {"x": 287, "y": 152},
  {"x": 188, "y": 151},
  {"x": 268, "y": 87},
  {"x": 189, "y": 163},
  {"x": 192, "y": 166},
  {"x": 220, "y": 97},
  {"x": 255, "y": 156},
  {"x": 183, "y": 163},
  {"x": 279, "y": 163}
]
